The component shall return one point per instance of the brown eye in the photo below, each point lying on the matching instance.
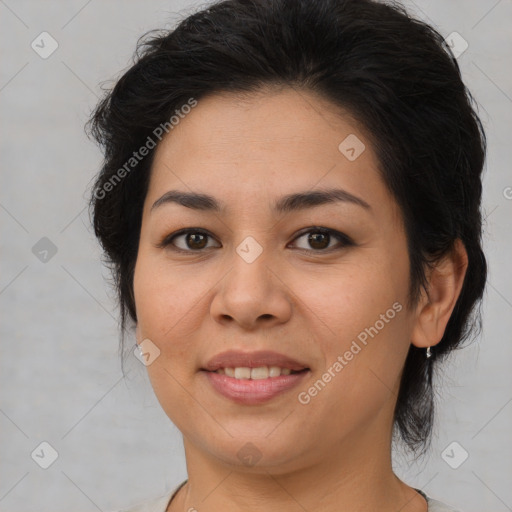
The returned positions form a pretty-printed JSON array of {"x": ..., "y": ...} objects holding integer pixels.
[
  {"x": 320, "y": 240},
  {"x": 187, "y": 240},
  {"x": 196, "y": 240}
]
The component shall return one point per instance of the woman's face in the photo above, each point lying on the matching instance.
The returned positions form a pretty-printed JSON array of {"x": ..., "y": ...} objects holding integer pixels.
[{"x": 251, "y": 277}]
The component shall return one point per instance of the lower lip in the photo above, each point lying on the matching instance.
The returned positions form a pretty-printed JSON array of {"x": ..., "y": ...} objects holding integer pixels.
[{"x": 253, "y": 392}]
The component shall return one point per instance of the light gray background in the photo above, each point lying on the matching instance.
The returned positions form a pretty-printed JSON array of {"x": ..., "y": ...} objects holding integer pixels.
[{"x": 60, "y": 373}]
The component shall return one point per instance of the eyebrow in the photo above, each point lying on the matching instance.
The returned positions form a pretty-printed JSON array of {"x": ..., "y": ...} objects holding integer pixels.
[{"x": 285, "y": 204}]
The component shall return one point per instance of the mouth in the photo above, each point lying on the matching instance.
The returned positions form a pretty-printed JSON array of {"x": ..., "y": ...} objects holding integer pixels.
[
  {"x": 257, "y": 373},
  {"x": 254, "y": 365},
  {"x": 253, "y": 378},
  {"x": 243, "y": 389}
]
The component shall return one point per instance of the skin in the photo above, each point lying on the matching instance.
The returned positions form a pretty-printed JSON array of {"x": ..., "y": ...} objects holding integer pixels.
[{"x": 247, "y": 152}]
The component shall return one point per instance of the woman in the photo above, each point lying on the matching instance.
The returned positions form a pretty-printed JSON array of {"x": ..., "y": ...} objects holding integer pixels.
[{"x": 290, "y": 202}]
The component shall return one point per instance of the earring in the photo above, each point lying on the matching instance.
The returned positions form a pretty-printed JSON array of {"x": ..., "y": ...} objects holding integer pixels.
[{"x": 429, "y": 354}]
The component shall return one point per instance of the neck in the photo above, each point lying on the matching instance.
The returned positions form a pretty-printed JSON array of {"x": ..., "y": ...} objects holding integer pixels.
[{"x": 354, "y": 476}]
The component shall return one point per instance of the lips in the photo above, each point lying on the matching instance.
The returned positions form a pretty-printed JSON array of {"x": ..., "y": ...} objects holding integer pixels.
[
  {"x": 234, "y": 359},
  {"x": 253, "y": 392}
]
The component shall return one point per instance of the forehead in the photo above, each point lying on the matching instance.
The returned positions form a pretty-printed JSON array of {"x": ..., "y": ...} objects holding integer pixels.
[
  {"x": 264, "y": 120},
  {"x": 232, "y": 145}
]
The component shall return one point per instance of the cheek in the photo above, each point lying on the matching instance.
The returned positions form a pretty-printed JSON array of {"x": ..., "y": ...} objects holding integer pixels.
[
  {"x": 363, "y": 359},
  {"x": 360, "y": 324},
  {"x": 167, "y": 305},
  {"x": 166, "y": 300},
  {"x": 342, "y": 301}
]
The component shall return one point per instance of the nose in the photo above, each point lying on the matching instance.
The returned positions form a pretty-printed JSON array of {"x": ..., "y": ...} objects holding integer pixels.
[{"x": 252, "y": 295}]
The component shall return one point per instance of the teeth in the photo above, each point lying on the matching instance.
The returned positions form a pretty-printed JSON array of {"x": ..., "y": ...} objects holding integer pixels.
[
  {"x": 262, "y": 372},
  {"x": 242, "y": 373},
  {"x": 274, "y": 371},
  {"x": 259, "y": 373}
]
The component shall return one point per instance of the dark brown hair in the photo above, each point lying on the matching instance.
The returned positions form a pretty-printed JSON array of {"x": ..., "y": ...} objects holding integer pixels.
[{"x": 393, "y": 73}]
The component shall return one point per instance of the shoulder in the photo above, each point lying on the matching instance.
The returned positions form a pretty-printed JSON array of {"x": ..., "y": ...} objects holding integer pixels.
[
  {"x": 158, "y": 504},
  {"x": 439, "y": 506},
  {"x": 436, "y": 505},
  {"x": 153, "y": 505}
]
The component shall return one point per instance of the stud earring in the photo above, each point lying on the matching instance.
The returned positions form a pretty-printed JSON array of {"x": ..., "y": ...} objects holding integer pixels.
[{"x": 429, "y": 354}]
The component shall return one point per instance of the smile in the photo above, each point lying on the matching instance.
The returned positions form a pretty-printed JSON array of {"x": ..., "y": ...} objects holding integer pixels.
[{"x": 246, "y": 390}]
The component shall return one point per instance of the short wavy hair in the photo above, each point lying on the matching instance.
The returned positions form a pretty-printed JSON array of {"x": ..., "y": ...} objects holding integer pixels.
[{"x": 394, "y": 74}]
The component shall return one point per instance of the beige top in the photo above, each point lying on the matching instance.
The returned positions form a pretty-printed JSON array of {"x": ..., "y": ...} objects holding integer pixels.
[{"x": 161, "y": 503}]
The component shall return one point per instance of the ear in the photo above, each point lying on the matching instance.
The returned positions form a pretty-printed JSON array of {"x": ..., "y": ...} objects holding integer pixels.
[{"x": 435, "y": 307}]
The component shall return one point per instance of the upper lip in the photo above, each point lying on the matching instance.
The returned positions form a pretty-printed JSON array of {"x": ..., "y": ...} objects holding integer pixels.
[{"x": 235, "y": 358}]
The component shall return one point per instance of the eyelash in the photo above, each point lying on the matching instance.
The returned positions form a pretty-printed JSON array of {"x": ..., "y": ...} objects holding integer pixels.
[{"x": 343, "y": 240}]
